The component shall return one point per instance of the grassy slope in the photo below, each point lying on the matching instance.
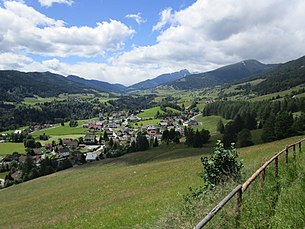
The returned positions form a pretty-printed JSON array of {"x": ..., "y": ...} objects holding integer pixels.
[
  {"x": 10, "y": 147},
  {"x": 130, "y": 191},
  {"x": 209, "y": 122},
  {"x": 150, "y": 113},
  {"x": 127, "y": 191}
]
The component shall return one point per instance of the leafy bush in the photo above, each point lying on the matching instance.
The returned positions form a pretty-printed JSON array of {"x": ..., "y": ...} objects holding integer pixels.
[{"x": 221, "y": 166}]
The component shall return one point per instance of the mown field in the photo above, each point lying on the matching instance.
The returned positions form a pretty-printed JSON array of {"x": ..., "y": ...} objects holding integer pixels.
[
  {"x": 132, "y": 191},
  {"x": 209, "y": 122},
  {"x": 150, "y": 113},
  {"x": 10, "y": 147}
]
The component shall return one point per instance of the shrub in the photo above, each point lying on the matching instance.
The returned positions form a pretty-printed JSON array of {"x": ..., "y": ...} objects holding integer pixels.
[{"x": 221, "y": 166}]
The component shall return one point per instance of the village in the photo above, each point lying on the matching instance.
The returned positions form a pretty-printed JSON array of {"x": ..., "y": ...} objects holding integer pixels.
[{"x": 118, "y": 129}]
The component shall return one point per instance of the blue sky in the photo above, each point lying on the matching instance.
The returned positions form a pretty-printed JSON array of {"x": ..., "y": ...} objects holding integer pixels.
[{"x": 126, "y": 41}]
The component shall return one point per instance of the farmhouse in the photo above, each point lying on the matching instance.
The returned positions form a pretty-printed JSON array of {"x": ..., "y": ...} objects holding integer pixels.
[
  {"x": 90, "y": 138},
  {"x": 191, "y": 122},
  {"x": 91, "y": 156},
  {"x": 17, "y": 175},
  {"x": 133, "y": 118},
  {"x": 2, "y": 183},
  {"x": 69, "y": 142},
  {"x": 64, "y": 152}
]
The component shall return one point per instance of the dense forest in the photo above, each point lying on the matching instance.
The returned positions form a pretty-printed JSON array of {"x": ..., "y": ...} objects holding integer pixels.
[
  {"x": 275, "y": 118},
  {"x": 15, "y": 85},
  {"x": 286, "y": 76}
]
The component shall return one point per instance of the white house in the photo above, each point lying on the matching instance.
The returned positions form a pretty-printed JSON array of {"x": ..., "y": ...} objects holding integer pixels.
[
  {"x": 2, "y": 183},
  {"x": 91, "y": 156}
]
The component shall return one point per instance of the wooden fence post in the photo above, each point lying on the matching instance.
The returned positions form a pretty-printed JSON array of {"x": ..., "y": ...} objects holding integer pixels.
[
  {"x": 286, "y": 154},
  {"x": 239, "y": 199},
  {"x": 263, "y": 175},
  {"x": 276, "y": 167},
  {"x": 294, "y": 152},
  {"x": 300, "y": 147}
]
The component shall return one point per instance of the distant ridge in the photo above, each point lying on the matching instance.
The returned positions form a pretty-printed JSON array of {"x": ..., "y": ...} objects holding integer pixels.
[
  {"x": 15, "y": 85},
  {"x": 227, "y": 74},
  {"x": 99, "y": 85},
  {"x": 285, "y": 76},
  {"x": 162, "y": 79}
]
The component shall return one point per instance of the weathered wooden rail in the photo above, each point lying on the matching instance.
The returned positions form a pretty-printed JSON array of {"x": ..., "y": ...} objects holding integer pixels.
[{"x": 240, "y": 189}]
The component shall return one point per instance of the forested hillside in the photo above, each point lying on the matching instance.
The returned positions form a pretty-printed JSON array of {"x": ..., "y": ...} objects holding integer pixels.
[
  {"x": 227, "y": 74},
  {"x": 99, "y": 85},
  {"x": 15, "y": 85},
  {"x": 282, "y": 78},
  {"x": 162, "y": 79}
]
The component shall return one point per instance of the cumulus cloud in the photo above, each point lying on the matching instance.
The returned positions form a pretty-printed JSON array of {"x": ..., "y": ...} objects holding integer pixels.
[
  {"x": 213, "y": 33},
  {"x": 48, "y": 3},
  {"x": 166, "y": 17},
  {"x": 137, "y": 17},
  {"x": 202, "y": 37},
  {"x": 23, "y": 28},
  {"x": 13, "y": 61}
]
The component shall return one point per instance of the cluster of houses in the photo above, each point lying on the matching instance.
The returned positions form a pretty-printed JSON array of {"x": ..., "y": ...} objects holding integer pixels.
[
  {"x": 35, "y": 128},
  {"x": 119, "y": 127},
  {"x": 69, "y": 149}
]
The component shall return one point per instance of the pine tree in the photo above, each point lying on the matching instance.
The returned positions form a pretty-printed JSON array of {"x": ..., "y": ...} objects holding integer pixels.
[
  {"x": 229, "y": 134},
  {"x": 106, "y": 138},
  {"x": 156, "y": 143},
  {"x": 220, "y": 126},
  {"x": 283, "y": 125},
  {"x": 268, "y": 134},
  {"x": 111, "y": 142},
  {"x": 244, "y": 138},
  {"x": 197, "y": 140},
  {"x": 165, "y": 136}
]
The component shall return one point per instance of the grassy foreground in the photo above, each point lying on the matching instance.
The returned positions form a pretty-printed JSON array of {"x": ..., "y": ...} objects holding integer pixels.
[
  {"x": 278, "y": 205},
  {"x": 133, "y": 191}
]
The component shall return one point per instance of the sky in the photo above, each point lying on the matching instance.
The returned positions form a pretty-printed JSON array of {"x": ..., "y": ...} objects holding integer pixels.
[{"x": 127, "y": 41}]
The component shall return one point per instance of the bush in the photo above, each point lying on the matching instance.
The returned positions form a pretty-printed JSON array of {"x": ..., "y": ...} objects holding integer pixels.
[{"x": 221, "y": 166}]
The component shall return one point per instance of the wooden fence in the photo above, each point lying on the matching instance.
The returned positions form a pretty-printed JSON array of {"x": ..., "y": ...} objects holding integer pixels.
[{"x": 240, "y": 189}]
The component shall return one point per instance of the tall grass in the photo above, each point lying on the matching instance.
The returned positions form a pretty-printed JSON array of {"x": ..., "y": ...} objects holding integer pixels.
[{"x": 279, "y": 202}]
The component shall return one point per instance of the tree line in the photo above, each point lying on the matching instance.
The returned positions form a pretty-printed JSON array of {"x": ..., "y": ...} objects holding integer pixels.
[{"x": 275, "y": 118}]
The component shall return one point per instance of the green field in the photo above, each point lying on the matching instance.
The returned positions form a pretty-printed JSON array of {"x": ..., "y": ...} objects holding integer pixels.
[
  {"x": 10, "y": 147},
  {"x": 61, "y": 130},
  {"x": 128, "y": 192},
  {"x": 281, "y": 94},
  {"x": 209, "y": 122},
  {"x": 3, "y": 175},
  {"x": 147, "y": 122},
  {"x": 150, "y": 113}
]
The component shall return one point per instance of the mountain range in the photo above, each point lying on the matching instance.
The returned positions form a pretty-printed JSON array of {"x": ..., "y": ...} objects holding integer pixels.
[
  {"x": 15, "y": 85},
  {"x": 162, "y": 79},
  {"x": 228, "y": 74}
]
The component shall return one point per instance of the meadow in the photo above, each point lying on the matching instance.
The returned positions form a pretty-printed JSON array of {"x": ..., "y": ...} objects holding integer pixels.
[
  {"x": 133, "y": 191},
  {"x": 150, "y": 113},
  {"x": 209, "y": 122},
  {"x": 10, "y": 147}
]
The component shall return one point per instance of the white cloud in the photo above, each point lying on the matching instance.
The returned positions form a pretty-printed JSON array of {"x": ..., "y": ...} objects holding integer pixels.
[
  {"x": 204, "y": 36},
  {"x": 13, "y": 61},
  {"x": 22, "y": 28},
  {"x": 213, "y": 33},
  {"x": 48, "y": 3},
  {"x": 166, "y": 17},
  {"x": 137, "y": 17}
]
